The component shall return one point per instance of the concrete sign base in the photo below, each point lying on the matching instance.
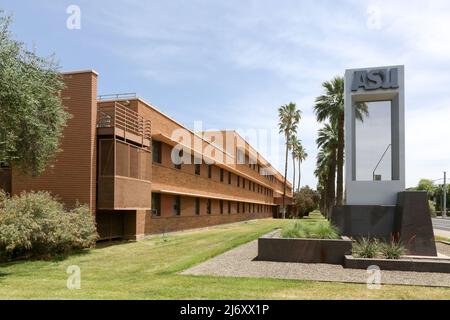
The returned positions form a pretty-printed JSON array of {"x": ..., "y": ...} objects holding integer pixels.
[{"x": 409, "y": 222}]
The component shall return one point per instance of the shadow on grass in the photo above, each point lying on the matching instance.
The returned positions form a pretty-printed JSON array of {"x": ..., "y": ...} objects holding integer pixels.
[
  {"x": 103, "y": 244},
  {"x": 56, "y": 258}
]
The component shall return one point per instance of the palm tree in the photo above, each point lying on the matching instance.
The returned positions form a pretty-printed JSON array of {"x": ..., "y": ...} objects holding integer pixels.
[
  {"x": 294, "y": 144},
  {"x": 330, "y": 106},
  {"x": 321, "y": 172},
  {"x": 327, "y": 141},
  {"x": 300, "y": 155},
  {"x": 289, "y": 117}
]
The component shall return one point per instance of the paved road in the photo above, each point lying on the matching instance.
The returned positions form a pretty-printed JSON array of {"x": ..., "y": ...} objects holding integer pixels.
[{"x": 441, "y": 224}]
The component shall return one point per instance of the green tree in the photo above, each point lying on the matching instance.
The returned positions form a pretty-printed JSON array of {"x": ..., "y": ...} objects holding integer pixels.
[
  {"x": 427, "y": 185},
  {"x": 330, "y": 106},
  {"x": 32, "y": 117},
  {"x": 306, "y": 201},
  {"x": 289, "y": 117}
]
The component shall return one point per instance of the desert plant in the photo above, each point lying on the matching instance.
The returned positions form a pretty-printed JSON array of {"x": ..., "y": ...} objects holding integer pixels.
[
  {"x": 366, "y": 248},
  {"x": 392, "y": 250},
  {"x": 322, "y": 230},
  {"x": 35, "y": 224},
  {"x": 295, "y": 230}
]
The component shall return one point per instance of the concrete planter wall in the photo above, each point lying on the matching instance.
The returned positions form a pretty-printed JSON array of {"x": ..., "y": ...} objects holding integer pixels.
[
  {"x": 272, "y": 247},
  {"x": 412, "y": 264}
]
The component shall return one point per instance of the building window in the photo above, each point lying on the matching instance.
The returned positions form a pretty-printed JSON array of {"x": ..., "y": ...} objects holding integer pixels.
[
  {"x": 229, "y": 177},
  {"x": 177, "y": 205},
  {"x": 181, "y": 153},
  {"x": 221, "y": 206},
  {"x": 238, "y": 207},
  {"x": 156, "y": 204},
  {"x": 229, "y": 207},
  {"x": 243, "y": 207},
  {"x": 238, "y": 181},
  {"x": 221, "y": 175},
  {"x": 197, "y": 169},
  {"x": 197, "y": 206},
  {"x": 156, "y": 151},
  {"x": 253, "y": 208},
  {"x": 243, "y": 183},
  {"x": 208, "y": 206},
  {"x": 209, "y": 171}
]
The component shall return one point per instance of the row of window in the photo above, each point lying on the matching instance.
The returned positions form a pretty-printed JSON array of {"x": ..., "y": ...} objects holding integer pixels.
[
  {"x": 157, "y": 158},
  {"x": 240, "y": 182},
  {"x": 224, "y": 206}
]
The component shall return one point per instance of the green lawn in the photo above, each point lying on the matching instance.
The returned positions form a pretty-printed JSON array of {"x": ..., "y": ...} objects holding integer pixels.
[
  {"x": 439, "y": 238},
  {"x": 148, "y": 270}
]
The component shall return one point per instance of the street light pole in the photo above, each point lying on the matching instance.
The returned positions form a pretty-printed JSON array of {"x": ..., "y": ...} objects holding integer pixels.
[{"x": 444, "y": 206}]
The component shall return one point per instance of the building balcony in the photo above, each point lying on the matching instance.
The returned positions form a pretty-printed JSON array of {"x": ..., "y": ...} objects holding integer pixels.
[
  {"x": 124, "y": 157},
  {"x": 124, "y": 176},
  {"x": 116, "y": 119}
]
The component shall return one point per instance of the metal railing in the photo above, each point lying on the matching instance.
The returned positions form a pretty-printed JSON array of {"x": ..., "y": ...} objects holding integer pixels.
[
  {"x": 116, "y": 115},
  {"x": 117, "y": 96}
]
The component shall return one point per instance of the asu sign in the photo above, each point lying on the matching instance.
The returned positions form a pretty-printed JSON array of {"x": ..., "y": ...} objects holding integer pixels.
[
  {"x": 374, "y": 147},
  {"x": 375, "y": 79}
]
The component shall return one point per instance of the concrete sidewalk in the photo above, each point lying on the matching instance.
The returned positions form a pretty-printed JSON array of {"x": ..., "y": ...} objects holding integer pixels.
[
  {"x": 239, "y": 262},
  {"x": 442, "y": 233}
]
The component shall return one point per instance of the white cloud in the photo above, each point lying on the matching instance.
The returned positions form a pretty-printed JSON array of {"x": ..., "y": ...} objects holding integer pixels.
[{"x": 258, "y": 55}]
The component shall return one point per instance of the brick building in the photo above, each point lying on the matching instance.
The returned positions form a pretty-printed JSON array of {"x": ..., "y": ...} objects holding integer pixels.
[{"x": 117, "y": 158}]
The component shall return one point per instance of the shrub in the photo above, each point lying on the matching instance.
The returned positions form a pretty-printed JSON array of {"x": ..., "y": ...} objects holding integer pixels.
[
  {"x": 373, "y": 248},
  {"x": 393, "y": 250},
  {"x": 324, "y": 231},
  {"x": 321, "y": 230},
  {"x": 295, "y": 230},
  {"x": 366, "y": 248},
  {"x": 35, "y": 224}
]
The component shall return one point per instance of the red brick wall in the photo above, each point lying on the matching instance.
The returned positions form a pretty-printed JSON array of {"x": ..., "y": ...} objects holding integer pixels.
[
  {"x": 72, "y": 175},
  {"x": 189, "y": 220}
]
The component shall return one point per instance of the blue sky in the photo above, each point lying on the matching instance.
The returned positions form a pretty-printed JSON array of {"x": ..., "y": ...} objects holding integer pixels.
[{"x": 231, "y": 63}]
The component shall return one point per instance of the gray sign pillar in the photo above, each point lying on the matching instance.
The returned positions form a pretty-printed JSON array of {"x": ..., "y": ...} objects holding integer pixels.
[{"x": 374, "y": 151}]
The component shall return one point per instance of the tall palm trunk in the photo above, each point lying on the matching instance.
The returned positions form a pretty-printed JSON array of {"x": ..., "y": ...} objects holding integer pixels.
[
  {"x": 323, "y": 202},
  {"x": 340, "y": 162},
  {"x": 331, "y": 184},
  {"x": 299, "y": 174},
  {"x": 285, "y": 175},
  {"x": 293, "y": 166}
]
